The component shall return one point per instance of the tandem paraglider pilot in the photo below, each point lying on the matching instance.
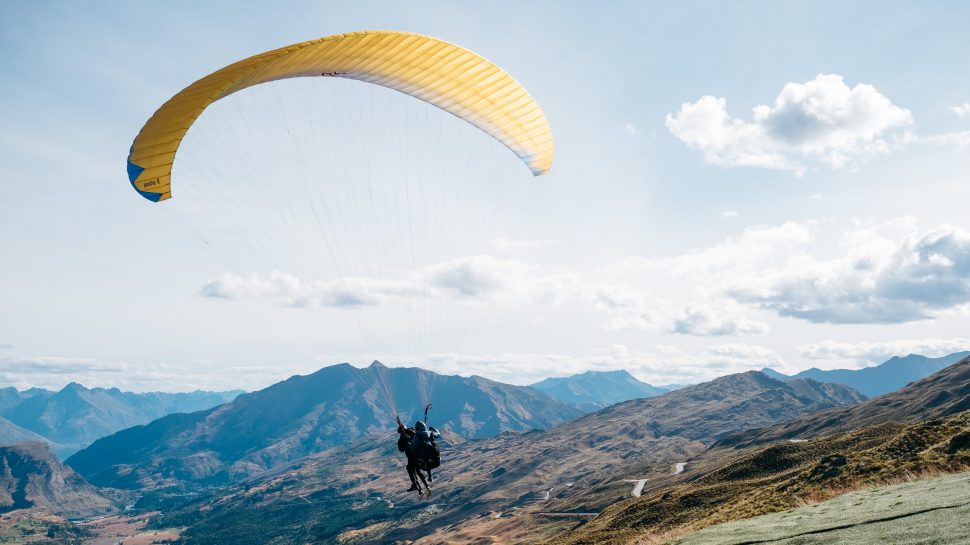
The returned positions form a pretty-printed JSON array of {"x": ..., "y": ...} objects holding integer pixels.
[{"x": 420, "y": 446}]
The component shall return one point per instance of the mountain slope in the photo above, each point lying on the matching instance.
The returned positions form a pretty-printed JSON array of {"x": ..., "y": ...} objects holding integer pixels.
[
  {"x": 924, "y": 427},
  {"x": 594, "y": 390},
  {"x": 634, "y": 438},
  {"x": 726, "y": 486},
  {"x": 31, "y": 476},
  {"x": 707, "y": 411},
  {"x": 307, "y": 414},
  {"x": 76, "y": 416},
  {"x": 578, "y": 466},
  {"x": 11, "y": 433},
  {"x": 889, "y": 376},
  {"x": 941, "y": 394},
  {"x": 9, "y": 397}
]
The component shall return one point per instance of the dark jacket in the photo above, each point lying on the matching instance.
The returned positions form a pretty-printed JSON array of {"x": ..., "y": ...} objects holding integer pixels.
[{"x": 406, "y": 436}]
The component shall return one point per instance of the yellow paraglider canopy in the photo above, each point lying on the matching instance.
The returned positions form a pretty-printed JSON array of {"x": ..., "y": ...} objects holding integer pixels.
[{"x": 440, "y": 73}]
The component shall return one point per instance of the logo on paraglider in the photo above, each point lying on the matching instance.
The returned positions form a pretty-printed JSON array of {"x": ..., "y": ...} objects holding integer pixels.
[{"x": 333, "y": 73}]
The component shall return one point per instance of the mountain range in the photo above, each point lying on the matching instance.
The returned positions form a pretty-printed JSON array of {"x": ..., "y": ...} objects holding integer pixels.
[
  {"x": 922, "y": 429},
  {"x": 943, "y": 393},
  {"x": 314, "y": 458},
  {"x": 581, "y": 464},
  {"x": 334, "y": 406},
  {"x": 886, "y": 377},
  {"x": 74, "y": 417},
  {"x": 594, "y": 390}
]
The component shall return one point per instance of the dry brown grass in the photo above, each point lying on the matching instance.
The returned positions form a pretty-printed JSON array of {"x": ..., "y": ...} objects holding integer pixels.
[
  {"x": 782, "y": 476},
  {"x": 823, "y": 494},
  {"x": 659, "y": 538},
  {"x": 151, "y": 538}
]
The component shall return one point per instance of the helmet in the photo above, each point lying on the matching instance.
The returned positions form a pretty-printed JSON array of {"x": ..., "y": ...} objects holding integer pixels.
[{"x": 420, "y": 426}]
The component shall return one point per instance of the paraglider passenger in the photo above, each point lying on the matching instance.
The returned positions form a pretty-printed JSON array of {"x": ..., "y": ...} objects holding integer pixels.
[{"x": 423, "y": 444}]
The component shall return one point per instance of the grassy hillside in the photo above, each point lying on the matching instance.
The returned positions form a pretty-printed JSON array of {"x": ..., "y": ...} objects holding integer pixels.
[
  {"x": 927, "y": 511},
  {"x": 781, "y": 476},
  {"x": 35, "y": 527}
]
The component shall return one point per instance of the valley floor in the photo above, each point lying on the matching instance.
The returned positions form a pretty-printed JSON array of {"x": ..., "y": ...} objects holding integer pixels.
[
  {"x": 116, "y": 529},
  {"x": 932, "y": 511}
]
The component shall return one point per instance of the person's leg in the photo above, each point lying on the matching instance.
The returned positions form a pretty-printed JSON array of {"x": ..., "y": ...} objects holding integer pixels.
[
  {"x": 425, "y": 483},
  {"x": 414, "y": 481}
]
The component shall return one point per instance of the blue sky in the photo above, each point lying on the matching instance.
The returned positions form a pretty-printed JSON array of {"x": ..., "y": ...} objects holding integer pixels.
[{"x": 736, "y": 185}]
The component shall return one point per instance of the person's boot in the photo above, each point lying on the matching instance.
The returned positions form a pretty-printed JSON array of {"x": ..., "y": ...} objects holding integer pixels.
[{"x": 414, "y": 486}]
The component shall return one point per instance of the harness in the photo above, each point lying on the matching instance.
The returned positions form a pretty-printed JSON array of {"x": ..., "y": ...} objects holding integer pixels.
[{"x": 420, "y": 446}]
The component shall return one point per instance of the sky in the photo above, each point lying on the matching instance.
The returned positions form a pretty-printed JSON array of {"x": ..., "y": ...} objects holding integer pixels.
[{"x": 736, "y": 185}]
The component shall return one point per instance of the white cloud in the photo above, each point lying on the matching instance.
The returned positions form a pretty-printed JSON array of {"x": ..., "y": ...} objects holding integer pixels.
[
  {"x": 486, "y": 279},
  {"x": 963, "y": 110},
  {"x": 631, "y": 130},
  {"x": 704, "y": 321},
  {"x": 620, "y": 297},
  {"x": 486, "y": 276},
  {"x": 835, "y": 355},
  {"x": 637, "y": 311},
  {"x": 822, "y": 121},
  {"x": 891, "y": 272},
  {"x": 815, "y": 196},
  {"x": 476, "y": 276},
  {"x": 878, "y": 280},
  {"x": 729, "y": 215},
  {"x": 470, "y": 279},
  {"x": 740, "y": 256},
  {"x": 291, "y": 291},
  {"x": 959, "y": 139},
  {"x": 886, "y": 273},
  {"x": 745, "y": 356}
]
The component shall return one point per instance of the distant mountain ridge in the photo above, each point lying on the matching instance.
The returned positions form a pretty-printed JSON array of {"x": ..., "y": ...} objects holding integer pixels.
[
  {"x": 76, "y": 416},
  {"x": 306, "y": 414},
  {"x": 886, "y": 377},
  {"x": 943, "y": 393},
  {"x": 11, "y": 433},
  {"x": 743, "y": 400},
  {"x": 594, "y": 390}
]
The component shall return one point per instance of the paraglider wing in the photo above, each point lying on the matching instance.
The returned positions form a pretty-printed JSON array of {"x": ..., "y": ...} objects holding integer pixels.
[{"x": 443, "y": 74}]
